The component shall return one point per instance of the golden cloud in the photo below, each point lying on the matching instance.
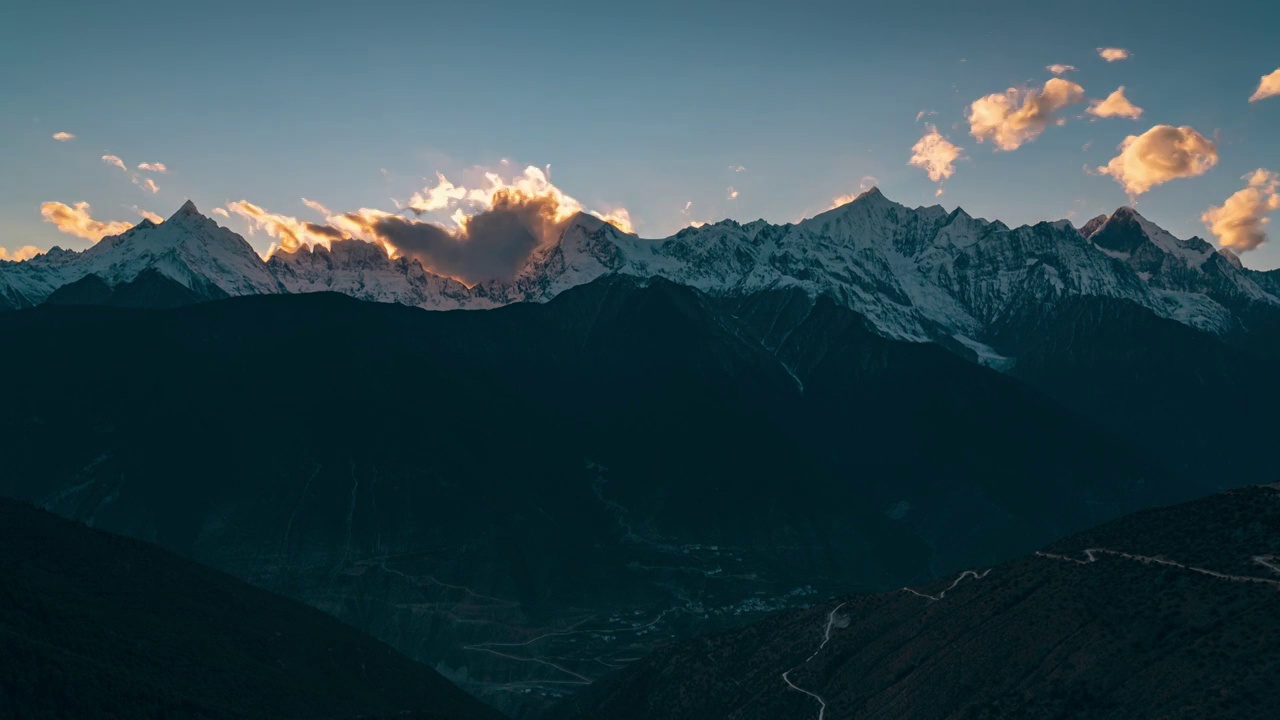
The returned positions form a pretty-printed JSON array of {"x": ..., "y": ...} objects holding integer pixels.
[
  {"x": 148, "y": 215},
  {"x": 1268, "y": 87},
  {"x": 115, "y": 161},
  {"x": 61, "y": 137},
  {"x": 1015, "y": 117},
  {"x": 220, "y": 211},
  {"x": 1241, "y": 222},
  {"x": 1159, "y": 155},
  {"x": 1115, "y": 105},
  {"x": 77, "y": 220},
  {"x": 936, "y": 155},
  {"x": 1059, "y": 69},
  {"x": 1112, "y": 54},
  {"x": 25, "y": 252},
  {"x": 154, "y": 167},
  {"x": 146, "y": 184}
]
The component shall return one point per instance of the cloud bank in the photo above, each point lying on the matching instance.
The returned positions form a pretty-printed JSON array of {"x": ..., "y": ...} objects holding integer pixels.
[
  {"x": 1159, "y": 155},
  {"x": 1017, "y": 116},
  {"x": 1241, "y": 222},
  {"x": 77, "y": 220}
]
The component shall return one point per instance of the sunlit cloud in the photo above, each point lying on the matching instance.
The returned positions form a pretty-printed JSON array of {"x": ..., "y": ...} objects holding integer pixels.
[
  {"x": 924, "y": 114},
  {"x": 114, "y": 161},
  {"x": 1268, "y": 87},
  {"x": 220, "y": 211},
  {"x": 61, "y": 137},
  {"x": 1241, "y": 222},
  {"x": 1115, "y": 105},
  {"x": 1060, "y": 69},
  {"x": 936, "y": 155},
  {"x": 77, "y": 220},
  {"x": 291, "y": 233},
  {"x": 317, "y": 207},
  {"x": 146, "y": 184},
  {"x": 1112, "y": 54},
  {"x": 148, "y": 215},
  {"x": 732, "y": 194},
  {"x": 1159, "y": 155},
  {"x": 154, "y": 167},
  {"x": 25, "y": 252},
  {"x": 1017, "y": 116}
]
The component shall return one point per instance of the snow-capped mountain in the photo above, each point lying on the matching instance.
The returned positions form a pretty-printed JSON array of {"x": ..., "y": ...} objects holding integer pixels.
[
  {"x": 188, "y": 248},
  {"x": 920, "y": 274}
]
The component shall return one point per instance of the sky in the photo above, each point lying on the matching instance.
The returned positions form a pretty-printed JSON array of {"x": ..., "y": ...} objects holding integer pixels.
[{"x": 677, "y": 112}]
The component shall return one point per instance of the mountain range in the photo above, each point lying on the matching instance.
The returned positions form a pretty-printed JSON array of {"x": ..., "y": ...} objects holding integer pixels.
[
  {"x": 920, "y": 274},
  {"x": 633, "y": 442}
]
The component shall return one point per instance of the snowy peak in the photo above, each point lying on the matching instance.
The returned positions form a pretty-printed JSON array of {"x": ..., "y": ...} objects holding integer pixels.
[{"x": 188, "y": 208}]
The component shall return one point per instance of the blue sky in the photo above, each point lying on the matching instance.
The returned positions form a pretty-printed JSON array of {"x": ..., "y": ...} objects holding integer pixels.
[{"x": 642, "y": 105}]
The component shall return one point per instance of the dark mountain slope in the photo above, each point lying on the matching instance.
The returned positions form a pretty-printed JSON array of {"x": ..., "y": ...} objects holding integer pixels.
[
  {"x": 1173, "y": 618},
  {"x": 94, "y": 625},
  {"x": 529, "y": 496},
  {"x": 150, "y": 289}
]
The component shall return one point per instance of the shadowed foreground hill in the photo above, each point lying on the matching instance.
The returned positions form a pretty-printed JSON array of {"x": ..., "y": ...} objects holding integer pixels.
[
  {"x": 94, "y": 625},
  {"x": 1168, "y": 613}
]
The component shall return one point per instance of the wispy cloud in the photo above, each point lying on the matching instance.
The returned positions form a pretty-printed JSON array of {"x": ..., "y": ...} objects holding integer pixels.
[
  {"x": 1112, "y": 54},
  {"x": 936, "y": 155},
  {"x": 1159, "y": 155},
  {"x": 737, "y": 168},
  {"x": 1269, "y": 86},
  {"x": 154, "y": 167},
  {"x": 146, "y": 184},
  {"x": 1115, "y": 105},
  {"x": 220, "y": 211},
  {"x": 1017, "y": 116},
  {"x": 732, "y": 193},
  {"x": 115, "y": 161},
  {"x": 62, "y": 137},
  {"x": 148, "y": 215},
  {"x": 77, "y": 220},
  {"x": 1241, "y": 222}
]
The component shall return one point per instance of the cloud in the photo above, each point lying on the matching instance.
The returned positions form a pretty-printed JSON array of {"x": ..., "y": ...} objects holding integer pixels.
[
  {"x": 154, "y": 167},
  {"x": 924, "y": 114},
  {"x": 1268, "y": 87},
  {"x": 1112, "y": 54},
  {"x": 146, "y": 184},
  {"x": 220, "y": 211},
  {"x": 60, "y": 137},
  {"x": 733, "y": 194},
  {"x": 1159, "y": 155},
  {"x": 25, "y": 252},
  {"x": 148, "y": 215},
  {"x": 1015, "y": 117},
  {"x": 514, "y": 219},
  {"x": 113, "y": 160},
  {"x": 76, "y": 220},
  {"x": 936, "y": 155},
  {"x": 737, "y": 168},
  {"x": 1059, "y": 69},
  {"x": 1116, "y": 105},
  {"x": 317, "y": 207},
  {"x": 1241, "y": 222}
]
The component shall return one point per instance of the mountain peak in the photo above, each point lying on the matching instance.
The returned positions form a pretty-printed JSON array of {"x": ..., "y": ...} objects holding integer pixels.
[
  {"x": 188, "y": 209},
  {"x": 871, "y": 195}
]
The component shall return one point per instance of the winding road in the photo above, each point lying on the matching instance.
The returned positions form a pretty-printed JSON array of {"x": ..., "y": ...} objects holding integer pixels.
[
  {"x": 966, "y": 574},
  {"x": 1091, "y": 555},
  {"x": 826, "y": 638}
]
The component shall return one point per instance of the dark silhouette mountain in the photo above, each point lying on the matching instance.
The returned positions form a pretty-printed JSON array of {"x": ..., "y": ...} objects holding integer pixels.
[
  {"x": 530, "y": 496},
  {"x": 94, "y": 625},
  {"x": 1167, "y": 613},
  {"x": 149, "y": 289}
]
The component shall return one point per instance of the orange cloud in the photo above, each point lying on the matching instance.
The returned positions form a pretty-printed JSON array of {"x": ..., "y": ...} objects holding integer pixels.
[
  {"x": 154, "y": 167},
  {"x": 25, "y": 252},
  {"x": 115, "y": 161},
  {"x": 1016, "y": 117},
  {"x": 1115, "y": 105},
  {"x": 1240, "y": 223},
  {"x": 936, "y": 155},
  {"x": 148, "y": 215},
  {"x": 1268, "y": 87},
  {"x": 1112, "y": 54},
  {"x": 76, "y": 220},
  {"x": 146, "y": 184},
  {"x": 220, "y": 211},
  {"x": 62, "y": 137},
  {"x": 1059, "y": 69},
  {"x": 1159, "y": 155}
]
